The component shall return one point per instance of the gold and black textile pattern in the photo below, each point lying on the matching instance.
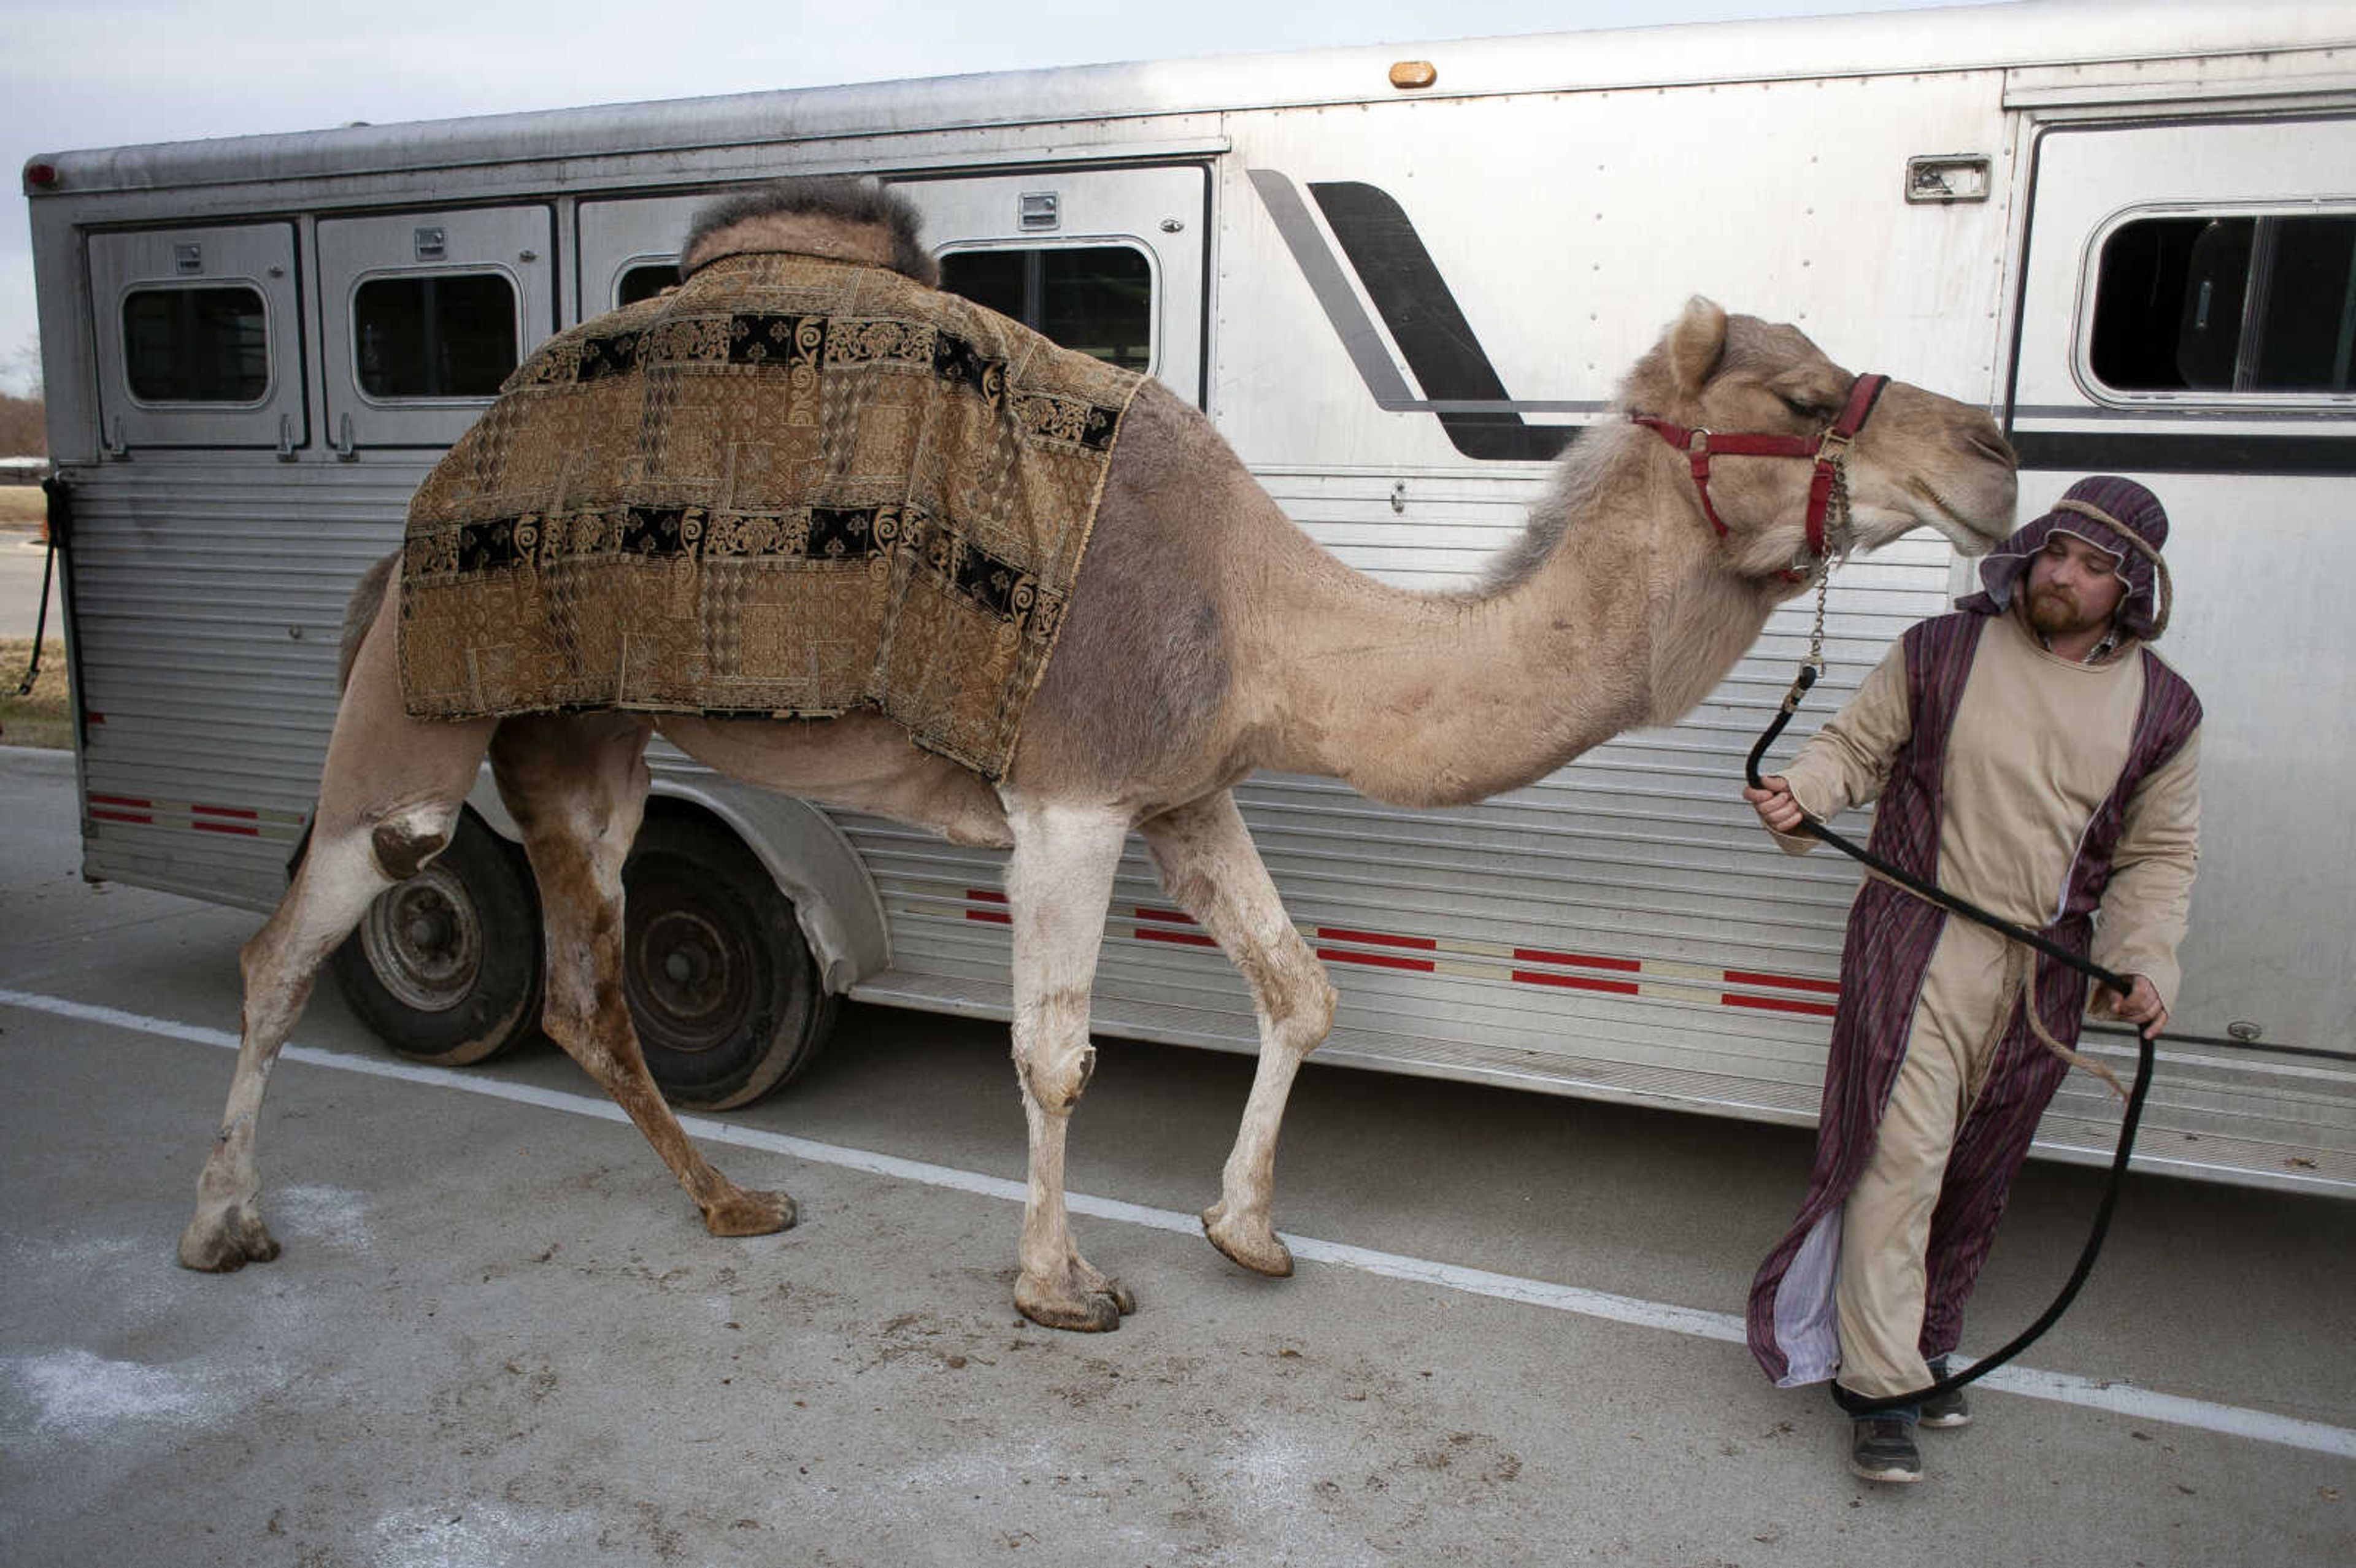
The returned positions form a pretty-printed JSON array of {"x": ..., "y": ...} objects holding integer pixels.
[{"x": 791, "y": 487}]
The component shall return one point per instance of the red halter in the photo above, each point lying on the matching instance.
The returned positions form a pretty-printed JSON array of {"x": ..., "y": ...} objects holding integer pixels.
[{"x": 1827, "y": 450}]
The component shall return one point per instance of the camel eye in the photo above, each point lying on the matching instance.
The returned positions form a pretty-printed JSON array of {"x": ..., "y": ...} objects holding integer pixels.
[{"x": 1805, "y": 409}]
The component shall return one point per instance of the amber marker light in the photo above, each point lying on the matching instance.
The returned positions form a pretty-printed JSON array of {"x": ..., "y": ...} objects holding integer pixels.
[{"x": 1414, "y": 73}]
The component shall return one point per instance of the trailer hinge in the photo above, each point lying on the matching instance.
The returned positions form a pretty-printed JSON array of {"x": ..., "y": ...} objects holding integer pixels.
[{"x": 343, "y": 443}]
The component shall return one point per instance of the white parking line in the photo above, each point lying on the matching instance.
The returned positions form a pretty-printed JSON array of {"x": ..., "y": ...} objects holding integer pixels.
[{"x": 2118, "y": 1398}]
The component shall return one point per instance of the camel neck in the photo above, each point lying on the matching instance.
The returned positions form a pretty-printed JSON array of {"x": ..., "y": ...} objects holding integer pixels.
[{"x": 1436, "y": 699}]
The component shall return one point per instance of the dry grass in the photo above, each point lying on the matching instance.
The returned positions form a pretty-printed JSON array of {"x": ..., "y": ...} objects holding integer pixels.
[
  {"x": 22, "y": 506},
  {"x": 43, "y": 718}
]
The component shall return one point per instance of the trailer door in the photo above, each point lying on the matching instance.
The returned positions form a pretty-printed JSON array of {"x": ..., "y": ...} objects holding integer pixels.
[
  {"x": 423, "y": 316},
  {"x": 2189, "y": 319},
  {"x": 199, "y": 336}
]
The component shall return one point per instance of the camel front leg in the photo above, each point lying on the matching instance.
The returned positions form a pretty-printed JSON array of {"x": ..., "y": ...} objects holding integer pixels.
[
  {"x": 1058, "y": 886},
  {"x": 577, "y": 788},
  {"x": 1210, "y": 867}
]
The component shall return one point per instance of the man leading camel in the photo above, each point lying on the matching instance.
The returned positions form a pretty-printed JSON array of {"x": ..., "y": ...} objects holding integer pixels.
[{"x": 2031, "y": 755}]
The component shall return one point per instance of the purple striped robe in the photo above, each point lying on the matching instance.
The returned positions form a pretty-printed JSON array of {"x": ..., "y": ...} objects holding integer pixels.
[{"x": 1891, "y": 935}]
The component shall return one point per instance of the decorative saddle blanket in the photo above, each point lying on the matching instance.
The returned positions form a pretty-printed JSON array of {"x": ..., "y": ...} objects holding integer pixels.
[{"x": 792, "y": 486}]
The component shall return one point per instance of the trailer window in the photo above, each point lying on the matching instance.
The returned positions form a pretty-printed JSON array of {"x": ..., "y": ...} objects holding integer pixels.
[
  {"x": 645, "y": 283},
  {"x": 197, "y": 345},
  {"x": 2227, "y": 304},
  {"x": 1097, "y": 299},
  {"x": 449, "y": 335}
]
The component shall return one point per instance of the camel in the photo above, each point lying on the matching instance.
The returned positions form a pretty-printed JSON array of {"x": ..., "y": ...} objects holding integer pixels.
[{"x": 1207, "y": 637}]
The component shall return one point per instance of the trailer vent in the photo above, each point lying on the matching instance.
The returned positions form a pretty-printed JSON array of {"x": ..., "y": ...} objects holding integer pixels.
[
  {"x": 430, "y": 245},
  {"x": 1040, "y": 209},
  {"x": 187, "y": 258}
]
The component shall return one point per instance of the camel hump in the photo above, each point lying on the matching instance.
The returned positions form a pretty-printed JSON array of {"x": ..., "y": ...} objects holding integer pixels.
[{"x": 850, "y": 220}]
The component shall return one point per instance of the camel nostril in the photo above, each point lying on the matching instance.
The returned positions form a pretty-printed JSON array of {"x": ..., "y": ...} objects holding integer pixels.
[{"x": 1989, "y": 442}]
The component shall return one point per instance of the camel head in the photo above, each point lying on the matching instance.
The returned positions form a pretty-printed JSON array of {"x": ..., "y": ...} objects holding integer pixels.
[{"x": 1919, "y": 459}]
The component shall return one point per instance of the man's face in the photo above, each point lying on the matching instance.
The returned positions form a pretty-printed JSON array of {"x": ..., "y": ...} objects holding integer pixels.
[{"x": 2073, "y": 586}]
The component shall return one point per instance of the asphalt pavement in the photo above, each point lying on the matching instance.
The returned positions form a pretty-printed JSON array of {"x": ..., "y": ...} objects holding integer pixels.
[{"x": 498, "y": 1334}]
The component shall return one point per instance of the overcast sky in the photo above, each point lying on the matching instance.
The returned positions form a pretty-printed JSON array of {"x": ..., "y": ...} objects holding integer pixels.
[{"x": 105, "y": 73}]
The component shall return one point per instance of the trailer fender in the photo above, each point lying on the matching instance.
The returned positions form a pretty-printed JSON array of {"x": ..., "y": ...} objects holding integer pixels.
[{"x": 835, "y": 901}]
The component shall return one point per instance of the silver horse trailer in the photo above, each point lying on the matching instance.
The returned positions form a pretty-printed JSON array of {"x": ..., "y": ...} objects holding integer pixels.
[{"x": 1399, "y": 280}]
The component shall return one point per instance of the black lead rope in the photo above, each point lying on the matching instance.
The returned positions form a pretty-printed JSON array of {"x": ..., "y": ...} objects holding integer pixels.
[
  {"x": 52, "y": 488},
  {"x": 2134, "y": 1116}
]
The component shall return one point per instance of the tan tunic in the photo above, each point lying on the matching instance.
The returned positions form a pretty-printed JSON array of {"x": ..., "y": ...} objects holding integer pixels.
[{"x": 2038, "y": 744}]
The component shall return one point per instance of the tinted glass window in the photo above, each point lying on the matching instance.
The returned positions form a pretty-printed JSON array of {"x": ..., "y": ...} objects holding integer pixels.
[
  {"x": 1097, "y": 299},
  {"x": 2239, "y": 304},
  {"x": 197, "y": 346},
  {"x": 645, "y": 283},
  {"x": 447, "y": 336}
]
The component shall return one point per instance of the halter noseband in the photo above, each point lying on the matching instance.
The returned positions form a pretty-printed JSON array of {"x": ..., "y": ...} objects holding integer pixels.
[{"x": 1826, "y": 486}]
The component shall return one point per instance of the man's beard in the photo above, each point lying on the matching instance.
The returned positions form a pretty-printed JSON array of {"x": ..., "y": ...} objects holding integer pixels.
[{"x": 2054, "y": 610}]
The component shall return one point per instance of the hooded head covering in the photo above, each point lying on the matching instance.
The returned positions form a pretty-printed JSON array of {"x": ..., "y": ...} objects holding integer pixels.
[{"x": 2111, "y": 513}]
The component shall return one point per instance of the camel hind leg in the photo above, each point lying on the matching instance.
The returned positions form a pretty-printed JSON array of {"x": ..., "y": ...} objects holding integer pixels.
[
  {"x": 1210, "y": 867},
  {"x": 577, "y": 788},
  {"x": 389, "y": 798}
]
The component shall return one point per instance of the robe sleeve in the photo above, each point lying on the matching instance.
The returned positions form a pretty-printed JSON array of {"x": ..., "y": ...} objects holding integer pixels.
[
  {"x": 1846, "y": 763},
  {"x": 2145, "y": 904}
]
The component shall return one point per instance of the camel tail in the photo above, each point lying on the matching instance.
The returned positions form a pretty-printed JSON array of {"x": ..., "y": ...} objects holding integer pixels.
[{"x": 360, "y": 614}]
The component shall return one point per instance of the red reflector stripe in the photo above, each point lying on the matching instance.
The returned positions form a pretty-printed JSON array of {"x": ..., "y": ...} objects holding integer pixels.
[
  {"x": 1378, "y": 960},
  {"x": 1582, "y": 960},
  {"x": 990, "y": 916},
  {"x": 241, "y": 813},
  {"x": 227, "y": 827},
  {"x": 120, "y": 800},
  {"x": 1578, "y": 982},
  {"x": 985, "y": 895},
  {"x": 1788, "y": 982},
  {"x": 1779, "y": 1005},
  {"x": 123, "y": 817},
  {"x": 1378, "y": 939},
  {"x": 1183, "y": 938},
  {"x": 1190, "y": 938}
]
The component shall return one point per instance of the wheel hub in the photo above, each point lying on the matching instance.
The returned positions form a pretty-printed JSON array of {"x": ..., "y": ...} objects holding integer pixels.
[
  {"x": 425, "y": 941},
  {"x": 688, "y": 976}
]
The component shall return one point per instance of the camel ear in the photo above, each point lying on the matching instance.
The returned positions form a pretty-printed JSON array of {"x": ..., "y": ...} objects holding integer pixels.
[{"x": 1697, "y": 343}]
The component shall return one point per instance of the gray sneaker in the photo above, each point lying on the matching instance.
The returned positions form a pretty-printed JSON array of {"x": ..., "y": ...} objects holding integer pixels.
[
  {"x": 1947, "y": 1410},
  {"x": 1881, "y": 1448}
]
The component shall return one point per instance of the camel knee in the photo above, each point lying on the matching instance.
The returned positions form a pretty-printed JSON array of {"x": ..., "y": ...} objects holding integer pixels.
[
  {"x": 1304, "y": 1027},
  {"x": 1051, "y": 1052},
  {"x": 1298, "y": 998},
  {"x": 405, "y": 841}
]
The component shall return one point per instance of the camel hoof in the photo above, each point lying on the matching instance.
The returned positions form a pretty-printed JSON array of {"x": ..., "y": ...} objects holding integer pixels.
[
  {"x": 1098, "y": 1312},
  {"x": 751, "y": 1214},
  {"x": 1254, "y": 1247},
  {"x": 226, "y": 1242}
]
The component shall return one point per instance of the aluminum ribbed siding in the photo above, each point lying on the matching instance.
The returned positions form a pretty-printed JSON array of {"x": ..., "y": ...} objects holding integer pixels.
[{"x": 209, "y": 599}]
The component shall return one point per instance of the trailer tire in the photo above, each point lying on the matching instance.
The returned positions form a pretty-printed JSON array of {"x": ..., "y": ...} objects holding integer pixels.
[
  {"x": 445, "y": 967},
  {"x": 722, "y": 989}
]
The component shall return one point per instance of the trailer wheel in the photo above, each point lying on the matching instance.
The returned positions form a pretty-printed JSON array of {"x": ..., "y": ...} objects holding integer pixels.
[
  {"x": 445, "y": 967},
  {"x": 722, "y": 984}
]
